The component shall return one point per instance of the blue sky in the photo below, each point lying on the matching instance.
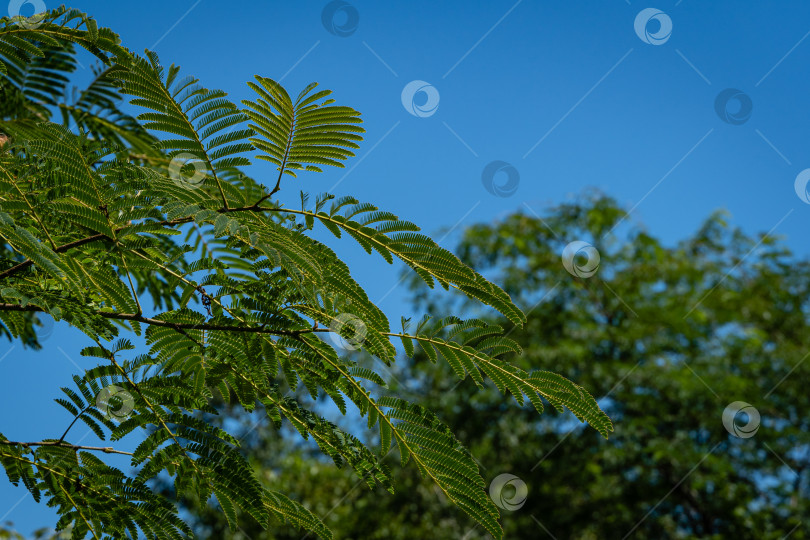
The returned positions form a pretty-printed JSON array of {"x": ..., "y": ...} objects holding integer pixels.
[{"x": 567, "y": 94}]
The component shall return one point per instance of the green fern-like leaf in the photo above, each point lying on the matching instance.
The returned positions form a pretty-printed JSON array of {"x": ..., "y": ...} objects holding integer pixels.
[{"x": 301, "y": 135}]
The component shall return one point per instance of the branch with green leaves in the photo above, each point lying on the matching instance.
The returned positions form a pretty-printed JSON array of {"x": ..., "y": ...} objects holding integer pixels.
[{"x": 101, "y": 211}]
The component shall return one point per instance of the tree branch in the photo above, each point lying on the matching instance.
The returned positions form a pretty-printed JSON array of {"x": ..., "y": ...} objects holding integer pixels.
[
  {"x": 177, "y": 326},
  {"x": 82, "y": 241},
  {"x": 63, "y": 444},
  {"x": 25, "y": 264}
]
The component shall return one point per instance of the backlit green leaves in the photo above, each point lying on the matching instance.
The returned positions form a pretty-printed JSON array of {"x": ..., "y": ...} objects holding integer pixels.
[{"x": 301, "y": 135}]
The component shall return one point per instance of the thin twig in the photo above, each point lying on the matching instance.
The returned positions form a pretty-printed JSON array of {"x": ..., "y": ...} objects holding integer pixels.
[{"x": 62, "y": 438}]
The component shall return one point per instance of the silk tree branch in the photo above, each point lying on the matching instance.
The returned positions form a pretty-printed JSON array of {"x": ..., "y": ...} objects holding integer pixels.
[
  {"x": 60, "y": 249},
  {"x": 63, "y": 444},
  {"x": 177, "y": 326},
  {"x": 96, "y": 237}
]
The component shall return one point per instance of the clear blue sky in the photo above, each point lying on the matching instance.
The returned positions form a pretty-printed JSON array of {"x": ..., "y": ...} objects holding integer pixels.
[{"x": 569, "y": 95}]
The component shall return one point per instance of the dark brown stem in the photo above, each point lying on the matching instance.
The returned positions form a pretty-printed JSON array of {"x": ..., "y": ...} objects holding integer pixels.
[
  {"x": 62, "y": 438},
  {"x": 260, "y": 201},
  {"x": 180, "y": 221},
  {"x": 60, "y": 249},
  {"x": 177, "y": 326}
]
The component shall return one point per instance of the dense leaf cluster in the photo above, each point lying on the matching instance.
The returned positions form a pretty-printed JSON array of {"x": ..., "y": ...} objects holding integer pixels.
[{"x": 101, "y": 210}]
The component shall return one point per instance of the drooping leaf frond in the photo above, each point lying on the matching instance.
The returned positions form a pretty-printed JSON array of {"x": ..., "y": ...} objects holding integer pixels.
[
  {"x": 391, "y": 237},
  {"x": 473, "y": 348}
]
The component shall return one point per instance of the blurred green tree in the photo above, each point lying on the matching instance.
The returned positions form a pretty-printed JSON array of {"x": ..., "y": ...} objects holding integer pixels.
[
  {"x": 666, "y": 337},
  {"x": 7, "y": 532}
]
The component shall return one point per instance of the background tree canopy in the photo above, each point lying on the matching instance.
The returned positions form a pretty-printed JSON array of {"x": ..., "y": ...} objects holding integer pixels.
[{"x": 664, "y": 371}]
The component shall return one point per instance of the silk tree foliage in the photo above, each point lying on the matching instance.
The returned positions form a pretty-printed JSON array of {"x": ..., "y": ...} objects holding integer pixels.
[{"x": 100, "y": 210}]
